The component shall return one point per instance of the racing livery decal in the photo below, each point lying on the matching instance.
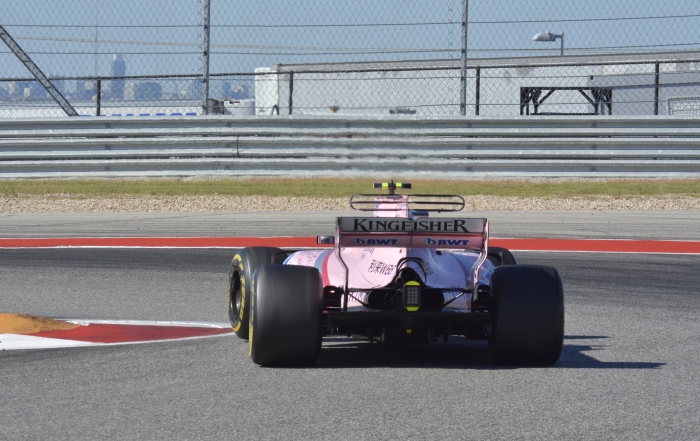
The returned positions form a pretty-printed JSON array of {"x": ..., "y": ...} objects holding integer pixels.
[
  {"x": 379, "y": 267},
  {"x": 446, "y": 242},
  {"x": 372, "y": 225}
]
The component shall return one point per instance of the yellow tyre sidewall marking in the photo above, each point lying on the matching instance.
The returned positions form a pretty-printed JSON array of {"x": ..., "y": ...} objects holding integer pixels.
[
  {"x": 251, "y": 326},
  {"x": 229, "y": 302},
  {"x": 240, "y": 311}
]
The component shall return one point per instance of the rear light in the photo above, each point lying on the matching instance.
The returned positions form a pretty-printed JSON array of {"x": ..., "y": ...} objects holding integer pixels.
[{"x": 411, "y": 296}]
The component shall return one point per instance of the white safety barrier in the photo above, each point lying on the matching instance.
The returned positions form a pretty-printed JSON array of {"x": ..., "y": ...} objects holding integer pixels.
[{"x": 335, "y": 146}]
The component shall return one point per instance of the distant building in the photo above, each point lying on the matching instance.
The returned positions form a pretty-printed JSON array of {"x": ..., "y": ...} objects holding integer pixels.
[
  {"x": 635, "y": 94},
  {"x": 239, "y": 92},
  {"x": 195, "y": 89},
  {"x": 85, "y": 90},
  {"x": 143, "y": 91},
  {"x": 21, "y": 89},
  {"x": 31, "y": 90},
  {"x": 615, "y": 84},
  {"x": 116, "y": 87}
]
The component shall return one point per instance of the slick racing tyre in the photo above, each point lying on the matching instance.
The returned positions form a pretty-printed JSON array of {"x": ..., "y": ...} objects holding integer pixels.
[
  {"x": 240, "y": 279},
  {"x": 501, "y": 256},
  {"x": 528, "y": 315},
  {"x": 286, "y": 313}
]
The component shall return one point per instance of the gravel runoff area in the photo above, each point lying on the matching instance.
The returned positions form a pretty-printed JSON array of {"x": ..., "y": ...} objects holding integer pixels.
[{"x": 73, "y": 204}]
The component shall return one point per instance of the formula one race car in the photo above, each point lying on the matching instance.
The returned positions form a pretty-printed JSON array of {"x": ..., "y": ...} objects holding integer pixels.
[{"x": 399, "y": 276}]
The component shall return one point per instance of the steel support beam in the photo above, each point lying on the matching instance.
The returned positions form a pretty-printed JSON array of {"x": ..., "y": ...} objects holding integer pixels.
[
  {"x": 291, "y": 91},
  {"x": 478, "y": 90},
  {"x": 205, "y": 58},
  {"x": 38, "y": 74},
  {"x": 463, "y": 76},
  {"x": 656, "y": 88}
]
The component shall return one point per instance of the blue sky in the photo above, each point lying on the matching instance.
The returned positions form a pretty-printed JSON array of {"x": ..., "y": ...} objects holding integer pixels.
[{"x": 160, "y": 37}]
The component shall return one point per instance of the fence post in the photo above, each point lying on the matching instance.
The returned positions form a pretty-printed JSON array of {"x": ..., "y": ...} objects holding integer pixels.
[
  {"x": 478, "y": 89},
  {"x": 291, "y": 90},
  {"x": 205, "y": 66},
  {"x": 656, "y": 88},
  {"x": 463, "y": 88},
  {"x": 98, "y": 95}
]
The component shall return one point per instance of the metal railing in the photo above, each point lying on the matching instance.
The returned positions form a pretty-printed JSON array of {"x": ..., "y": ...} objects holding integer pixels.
[{"x": 339, "y": 146}]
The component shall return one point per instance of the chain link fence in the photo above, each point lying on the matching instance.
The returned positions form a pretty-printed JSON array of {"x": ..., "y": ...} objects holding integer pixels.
[{"x": 304, "y": 57}]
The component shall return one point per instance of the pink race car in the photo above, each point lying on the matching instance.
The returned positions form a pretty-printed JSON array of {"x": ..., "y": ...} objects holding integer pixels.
[{"x": 399, "y": 276}]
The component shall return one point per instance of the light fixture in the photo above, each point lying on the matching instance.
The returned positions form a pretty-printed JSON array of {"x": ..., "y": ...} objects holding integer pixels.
[{"x": 548, "y": 36}]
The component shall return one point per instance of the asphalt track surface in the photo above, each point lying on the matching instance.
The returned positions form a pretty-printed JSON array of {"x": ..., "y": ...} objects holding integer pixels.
[{"x": 629, "y": 368}]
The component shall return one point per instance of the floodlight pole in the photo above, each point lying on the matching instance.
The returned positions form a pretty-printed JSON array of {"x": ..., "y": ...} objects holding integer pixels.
[
  {"x": 463, "y": 76},
  {"x": 38, "y": 74},
  {"x": 205, "y": 59},
  {"x": 562, "y": 44}
]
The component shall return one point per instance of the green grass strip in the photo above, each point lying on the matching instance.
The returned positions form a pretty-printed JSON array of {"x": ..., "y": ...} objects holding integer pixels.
[{"x": 342, "y": 187}]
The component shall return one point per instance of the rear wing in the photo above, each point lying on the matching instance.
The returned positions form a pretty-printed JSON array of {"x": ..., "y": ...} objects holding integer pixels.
[{"x": 445, "y": 233}]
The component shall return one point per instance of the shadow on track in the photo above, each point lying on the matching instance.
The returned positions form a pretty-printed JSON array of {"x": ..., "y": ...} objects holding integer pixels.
[{"x": 458, "y": 353}]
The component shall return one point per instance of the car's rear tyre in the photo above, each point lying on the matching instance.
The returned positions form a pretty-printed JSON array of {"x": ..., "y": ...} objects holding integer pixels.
[
  {"x": 240, "y": 279},
  {"x": 501, "y": 256},
  {"x": 527, "y": 316},
  {"x": 285, "y": 321}
]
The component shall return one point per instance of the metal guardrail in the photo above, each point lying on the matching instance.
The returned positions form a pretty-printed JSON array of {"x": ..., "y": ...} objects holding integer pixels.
[
  {"x": 334, "y": 146},
  {"x": 428, "y": 132},
  {"x": 337, "y": 121}
]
